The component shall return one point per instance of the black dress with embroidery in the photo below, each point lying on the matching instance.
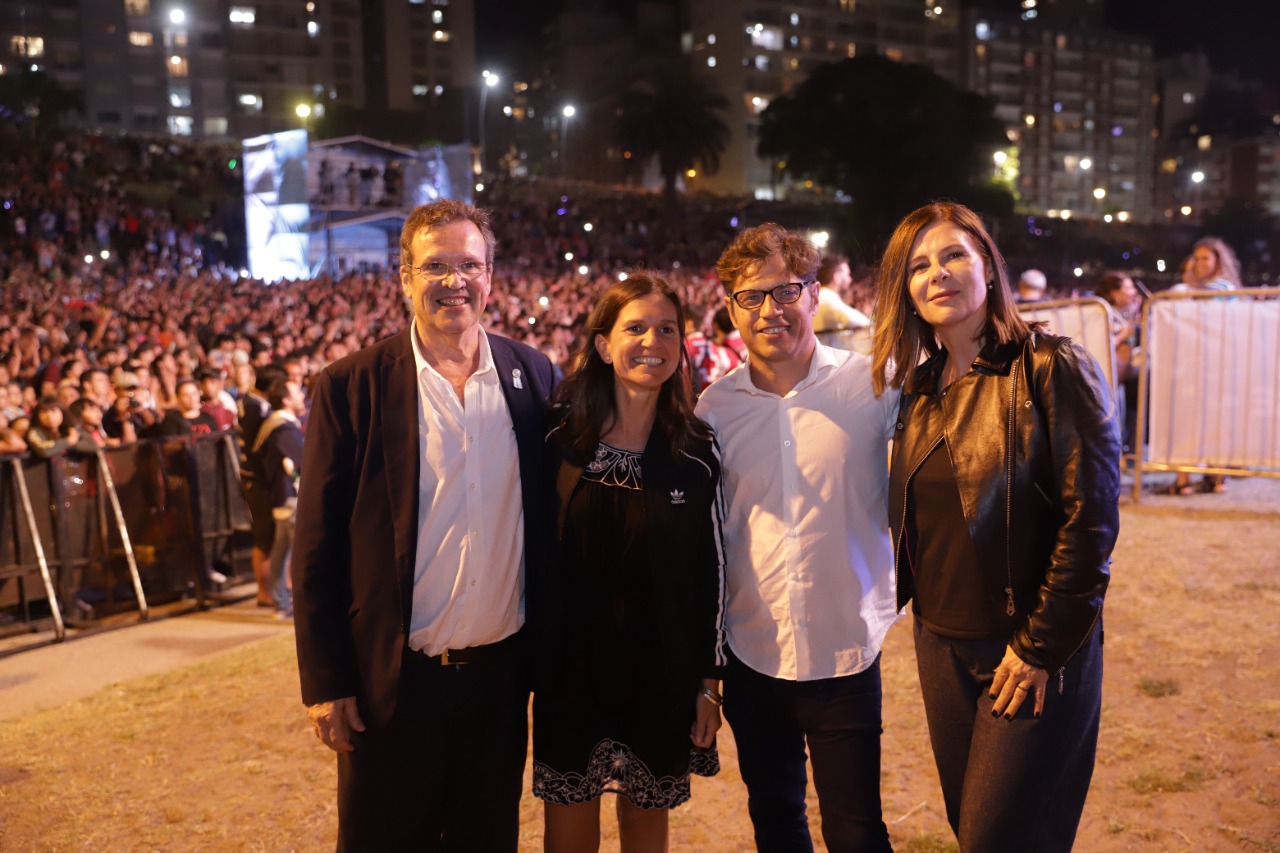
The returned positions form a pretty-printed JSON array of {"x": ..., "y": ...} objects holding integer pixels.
[{"x": 603, "y": 722}]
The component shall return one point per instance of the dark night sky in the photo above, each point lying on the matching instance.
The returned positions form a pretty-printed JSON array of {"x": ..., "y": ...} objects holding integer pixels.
[{"x": 1239, "y": 35}]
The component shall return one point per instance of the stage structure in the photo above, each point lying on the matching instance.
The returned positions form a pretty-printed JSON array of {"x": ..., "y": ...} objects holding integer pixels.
[{"x": 335, "y": 206}]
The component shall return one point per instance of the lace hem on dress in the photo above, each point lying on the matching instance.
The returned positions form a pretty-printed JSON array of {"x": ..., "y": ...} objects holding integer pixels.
[
  {"x": 613, "y": 768},
  {"x": 614, "y": 466}
]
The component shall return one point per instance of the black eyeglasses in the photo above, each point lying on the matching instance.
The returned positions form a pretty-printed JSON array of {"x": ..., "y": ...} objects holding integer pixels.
[
  {"x": 783, "y": 294},
  {"x": 437, "y": 270}
]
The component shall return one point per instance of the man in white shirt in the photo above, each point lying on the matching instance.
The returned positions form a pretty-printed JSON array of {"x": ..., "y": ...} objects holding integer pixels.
[
  {"x": 834, "y": 279},
  {"x": 422, "y": 519},
  {"x": 809, "y": 562}
]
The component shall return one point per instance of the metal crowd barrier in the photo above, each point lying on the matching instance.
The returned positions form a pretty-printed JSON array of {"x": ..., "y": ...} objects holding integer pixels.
[
  {"x": 1209, "y": 390},
  {"x": 1087, "y": 321},
  {"x": 86, "y": 536}
]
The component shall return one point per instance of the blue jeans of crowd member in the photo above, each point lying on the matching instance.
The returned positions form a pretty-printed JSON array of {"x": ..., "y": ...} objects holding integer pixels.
[
  {"x": 278, "y": 576},
  {"x": 839, "y": 719},
  {"x": 1010, "y": 785}
]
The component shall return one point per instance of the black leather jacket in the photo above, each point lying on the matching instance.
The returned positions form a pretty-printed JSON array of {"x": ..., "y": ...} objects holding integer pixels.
[{"x": 1035, "y": 444}]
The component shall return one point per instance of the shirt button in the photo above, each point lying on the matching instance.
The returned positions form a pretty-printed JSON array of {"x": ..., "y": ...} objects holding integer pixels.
[
  {"x": 786, "y": 444},
  {"x": 899, "y": 424},
  {"x": 473, "y": 583}
]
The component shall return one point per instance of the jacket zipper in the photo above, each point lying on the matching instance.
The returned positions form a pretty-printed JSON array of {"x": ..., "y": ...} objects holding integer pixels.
[
  {"x": 1087, "y": 634},
  {"x": 1010, "y": 609}
]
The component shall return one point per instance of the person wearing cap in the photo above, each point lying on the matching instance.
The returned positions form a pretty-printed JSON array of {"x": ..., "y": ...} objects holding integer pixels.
[
  {"x": 1031, "y": 286},
  {"x": 127, "y": 419}
]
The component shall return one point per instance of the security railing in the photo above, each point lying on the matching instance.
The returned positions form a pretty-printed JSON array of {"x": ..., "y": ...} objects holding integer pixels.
[
  {"x": 1209, "y": 390},
  {"x": 84, "y": 536}
]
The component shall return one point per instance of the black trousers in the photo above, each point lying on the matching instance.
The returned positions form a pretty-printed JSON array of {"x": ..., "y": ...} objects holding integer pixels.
[
  {"x": 1010, "y": 786},
  {"x": 446, "y": 774},
  {"x": 839, "y": 719}
]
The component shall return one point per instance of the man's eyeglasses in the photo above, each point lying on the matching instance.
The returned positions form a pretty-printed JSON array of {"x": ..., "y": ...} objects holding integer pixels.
[
  {"x": 783, "y": 294},
  {"x": 437, "y": 270}
]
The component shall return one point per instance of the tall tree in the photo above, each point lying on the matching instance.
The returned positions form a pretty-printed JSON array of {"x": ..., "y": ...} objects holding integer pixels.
[
  {"x": 892, "y": 136},
  {"x": 673, "y": 113}
]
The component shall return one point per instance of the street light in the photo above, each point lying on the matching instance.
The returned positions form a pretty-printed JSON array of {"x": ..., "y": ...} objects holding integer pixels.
[
  {"x": 304, "y": 113},
  {"x": 489, "y": 80},
  {"x": 565, "y": 114},
  {"x": 1197, "y": 177}
]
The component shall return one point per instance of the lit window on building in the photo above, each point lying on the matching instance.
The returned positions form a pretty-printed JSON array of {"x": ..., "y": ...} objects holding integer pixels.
[
  {"x": 243, "y": 16},
  {"x": 439, "y": 89},
  {"x": 215, "y": 126},
  {"x": 1188, "y": 98},
  {"x": 141, "y": 38},
  {"x": 980, "y": 50},
  {"x": 982, "y": 31},
  {"x": 250, "y": 102},
  {"x": 893, "y": 53},
  {"x": 766, "y": 38},
  {"x": 28, "y": 46},
  {"x": 794, "y": 63},
  {"x": 177, "y": 66},
  {"x": 757, "y": 103},
  {"x": 1061, "y": 42},
  {"x": 181, "y": 125},
  {"x": 180, "y": 97},
  {"x": 313, "y": 29},
  {"x": 437, "y": 17},
  {"x": 795, "y": 19},
  {"x": 440, "y": 35},
  {"x": 711, "y": 62},
  {"x": 761, "y": 63},
  {"x": 1204, "y": 143},
  {"x": 137, "y": 7},
  {"x": 711, "y": 38},
  {"x": 420, "y": 90},
  {"x": 851, "y": 50}
]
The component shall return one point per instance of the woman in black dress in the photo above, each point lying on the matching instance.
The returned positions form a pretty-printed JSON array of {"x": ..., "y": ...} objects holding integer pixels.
[{"x": 633, "y": 635}]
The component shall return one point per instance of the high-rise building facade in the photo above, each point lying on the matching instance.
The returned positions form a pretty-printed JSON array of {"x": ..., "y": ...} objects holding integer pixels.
[
  {"x": 236, "y": 68},
  {"x": 1080, "y": 106}
]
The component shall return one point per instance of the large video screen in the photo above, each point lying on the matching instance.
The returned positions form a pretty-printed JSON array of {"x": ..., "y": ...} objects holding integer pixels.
[{"x": 276, "y": 213}]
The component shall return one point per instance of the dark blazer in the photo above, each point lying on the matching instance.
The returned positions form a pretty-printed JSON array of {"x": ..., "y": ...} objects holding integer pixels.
[
  {"x": 357, "y": 521},
  {"x": 684, "y": 511}
]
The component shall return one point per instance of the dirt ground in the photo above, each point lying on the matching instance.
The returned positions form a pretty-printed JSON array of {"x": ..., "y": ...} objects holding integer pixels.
[{"x": 217, "y": 755}]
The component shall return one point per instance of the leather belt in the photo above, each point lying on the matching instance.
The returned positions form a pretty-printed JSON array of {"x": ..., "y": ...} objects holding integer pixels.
[{"x": 472, "y": 654}]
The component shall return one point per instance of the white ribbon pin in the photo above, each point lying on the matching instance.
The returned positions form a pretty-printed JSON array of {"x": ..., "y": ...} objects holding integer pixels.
[{"x": 515, "y": 378}]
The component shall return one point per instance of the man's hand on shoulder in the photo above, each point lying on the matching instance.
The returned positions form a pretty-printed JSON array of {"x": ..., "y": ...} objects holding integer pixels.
[{"x": 334, "y": 721}]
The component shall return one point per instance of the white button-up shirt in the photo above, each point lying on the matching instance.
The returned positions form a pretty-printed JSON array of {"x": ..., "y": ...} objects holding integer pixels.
[
  {"x": 468, "y": 578},
  {"x": 809, "y": 561}
]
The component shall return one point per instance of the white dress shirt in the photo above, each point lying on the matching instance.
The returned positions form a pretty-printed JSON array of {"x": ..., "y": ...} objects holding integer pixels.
[
  {"x": 468, "y": 577},
  {"x": 809, "y": 560}
]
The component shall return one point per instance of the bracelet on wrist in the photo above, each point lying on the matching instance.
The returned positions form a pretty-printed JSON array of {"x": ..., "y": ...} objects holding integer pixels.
[{"x": 713, "y": 697}]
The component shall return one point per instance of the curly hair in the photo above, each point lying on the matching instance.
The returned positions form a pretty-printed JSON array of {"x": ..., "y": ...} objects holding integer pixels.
[{"x": 753, "y": 247}]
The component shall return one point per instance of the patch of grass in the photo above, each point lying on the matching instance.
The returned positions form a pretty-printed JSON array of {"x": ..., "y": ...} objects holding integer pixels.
[
  {"x": 929, "y": 843},
  {"x": 1162, "y": 782},
  {"x": 1247, "y": 841},
  {"x": 1158, "y": 687}
]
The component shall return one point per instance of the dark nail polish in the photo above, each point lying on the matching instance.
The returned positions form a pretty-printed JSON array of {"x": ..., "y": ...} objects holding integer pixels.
[
  {"x": 995, "y": 713},
  {"x": 1037, "y": 715},
  {"x": 992, "y": 697},
  {"x": 1008, "y": 716}
]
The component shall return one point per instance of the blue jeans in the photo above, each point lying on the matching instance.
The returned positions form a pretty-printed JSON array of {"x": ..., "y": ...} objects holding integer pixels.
[
  {"x": 839, "y": 719},
  {"x": 1015, "y": 785},
  {"x": 278, "y": 576}
]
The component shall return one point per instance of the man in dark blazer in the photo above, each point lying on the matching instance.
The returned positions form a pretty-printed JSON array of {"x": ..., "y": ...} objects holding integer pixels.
[{"x": 422, "y": 513}]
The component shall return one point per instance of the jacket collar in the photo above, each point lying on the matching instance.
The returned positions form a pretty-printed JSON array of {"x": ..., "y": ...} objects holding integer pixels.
[{"x": 993, "y": 359}]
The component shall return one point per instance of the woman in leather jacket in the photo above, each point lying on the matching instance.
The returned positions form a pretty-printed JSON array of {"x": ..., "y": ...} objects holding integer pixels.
[
  {"x": 1003, "y": 505},
  {"x": 632, "y": 613}
]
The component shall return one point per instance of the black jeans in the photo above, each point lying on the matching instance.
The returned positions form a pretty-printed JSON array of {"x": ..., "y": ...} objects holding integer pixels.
[
  {"x": 1010, "y": 785},
  {"x": 839, "y": 718},
  {"x": 447, "y": 773}
]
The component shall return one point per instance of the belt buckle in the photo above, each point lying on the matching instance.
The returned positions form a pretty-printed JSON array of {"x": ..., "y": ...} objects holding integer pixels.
[{"x": 444, "y": 660}]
